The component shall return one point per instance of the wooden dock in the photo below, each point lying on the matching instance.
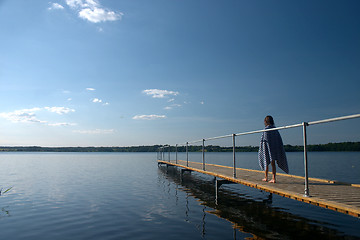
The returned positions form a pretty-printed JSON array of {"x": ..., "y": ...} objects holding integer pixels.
[{"x": 337, "y": 196}]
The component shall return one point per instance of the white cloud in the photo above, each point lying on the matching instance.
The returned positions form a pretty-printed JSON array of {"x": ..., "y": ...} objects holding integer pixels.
[
  {"x": 157, "y": 93},
  {"x": 96, "y": 100},
  {"x": 81, "y": 3},
  {"x": 148, "y": 117},
  {"x": 23, "y": 116},
  {"x": 202, "y": 102},
  {"x": 90, "y": 89},
  {"x": 96, "y": 15},
  {"x": 172, "y": 106},
  {"x": 55, "y": 6},
  {"x": 62, "y": 124},
  {"x": 29, "y": 115},
  {"x": 95, "y": 131},
  {"x": 59, "y": 110},
  {"x": 92, "y": 11}
]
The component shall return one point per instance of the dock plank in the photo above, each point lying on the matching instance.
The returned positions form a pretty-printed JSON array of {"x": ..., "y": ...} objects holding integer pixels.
[{"x": 324, "y": 193}]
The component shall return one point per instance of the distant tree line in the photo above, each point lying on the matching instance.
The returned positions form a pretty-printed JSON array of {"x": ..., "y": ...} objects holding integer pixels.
[
  {"x": 329, "y": 147},
  {"x": 153, "y": 148},
  {"x": 338, "y": 147}
]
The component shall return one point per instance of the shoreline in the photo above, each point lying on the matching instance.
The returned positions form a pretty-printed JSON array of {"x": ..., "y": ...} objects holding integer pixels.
[{"x": 329, "y": 147}]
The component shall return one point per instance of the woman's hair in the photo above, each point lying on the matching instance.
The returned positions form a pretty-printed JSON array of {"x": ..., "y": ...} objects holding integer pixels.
[{"x": 269, "y": 120}]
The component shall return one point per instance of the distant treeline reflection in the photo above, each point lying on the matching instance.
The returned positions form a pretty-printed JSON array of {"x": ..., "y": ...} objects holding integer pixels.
[{"x": 338, "y": 147}]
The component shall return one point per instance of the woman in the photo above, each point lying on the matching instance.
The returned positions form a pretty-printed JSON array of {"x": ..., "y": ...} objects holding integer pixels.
[{"x": 271, "y": 149}]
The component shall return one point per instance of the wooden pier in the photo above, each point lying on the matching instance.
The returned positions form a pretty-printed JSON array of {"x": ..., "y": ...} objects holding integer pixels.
[{"x": 337, "y": 196}]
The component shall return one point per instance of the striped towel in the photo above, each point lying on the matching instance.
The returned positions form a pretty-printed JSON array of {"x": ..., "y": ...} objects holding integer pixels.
[{"x": 271, "y": 149}]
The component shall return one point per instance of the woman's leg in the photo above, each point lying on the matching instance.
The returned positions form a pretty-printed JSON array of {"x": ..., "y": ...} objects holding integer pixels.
[
  {"x": 273, "y": 180},
  {"x": 266, "y": 173}
]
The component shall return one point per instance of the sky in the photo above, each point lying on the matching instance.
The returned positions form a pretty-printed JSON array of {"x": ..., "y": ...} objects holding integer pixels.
[{"x": 129, "y": 73}]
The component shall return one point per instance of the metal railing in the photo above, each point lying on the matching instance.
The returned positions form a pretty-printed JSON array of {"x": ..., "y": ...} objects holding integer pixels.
[{"x": 304, "y": 125}]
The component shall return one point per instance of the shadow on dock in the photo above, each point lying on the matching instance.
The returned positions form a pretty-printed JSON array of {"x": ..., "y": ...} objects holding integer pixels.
[{"x": 254, "y": 216}]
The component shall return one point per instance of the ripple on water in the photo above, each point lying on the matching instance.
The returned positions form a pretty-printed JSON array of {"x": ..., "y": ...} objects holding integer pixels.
[{"x": 122, "y": 196}]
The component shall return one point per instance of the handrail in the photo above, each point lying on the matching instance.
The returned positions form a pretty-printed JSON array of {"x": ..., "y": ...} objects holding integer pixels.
[
  {"x": 304, "y": 125},
  {"x": 281, "y": 128},
  {"x": 335, "y": 119}
]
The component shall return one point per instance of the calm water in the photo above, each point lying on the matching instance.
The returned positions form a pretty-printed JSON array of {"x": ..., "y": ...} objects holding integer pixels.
[{"x": 126, "y": 196}]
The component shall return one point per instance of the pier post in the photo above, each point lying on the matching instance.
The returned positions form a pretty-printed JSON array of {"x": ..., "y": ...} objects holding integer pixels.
[
  {"x": 176, "y": 154},
  {"x": 203, "y": 153},
  {"x": 187, "y": 154},
  {"x": 234, "y": 155},
  {"x": 218, "y": 184},
  {"x": 307, "y": 193},
  {"x": 169, "y": 153}
]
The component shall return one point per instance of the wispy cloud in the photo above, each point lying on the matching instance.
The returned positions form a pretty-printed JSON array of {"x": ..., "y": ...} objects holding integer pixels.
[
  {"x": 29, "y": 115},
  {"x": 92, "y": 11},
  {"x": 59, "y": 110},
  {"x": 148, "y": 117},
  {"x": 172, "y": 106},
  {"x": 23, "y": 116},
  {"x": 61, "y": 124},
  {"x": 90, "y": 89},
  {"x": 55, "y": 6},
  {"x": 96, "y": 15},
  {"x": 95, "y": 131},
  {"x": 96, "y": 100},
  {"x": 157, "y": 93}
]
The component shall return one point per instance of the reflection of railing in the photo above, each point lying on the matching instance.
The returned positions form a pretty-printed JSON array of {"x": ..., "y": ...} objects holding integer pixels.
[{"x": 304, "y": 125}]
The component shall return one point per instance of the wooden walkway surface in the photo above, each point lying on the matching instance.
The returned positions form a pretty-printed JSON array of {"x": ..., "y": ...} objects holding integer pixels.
[{"x": 332, "y": 195}]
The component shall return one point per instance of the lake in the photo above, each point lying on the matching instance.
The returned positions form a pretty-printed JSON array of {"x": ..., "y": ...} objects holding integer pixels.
[{"x": 127, "y": 196}]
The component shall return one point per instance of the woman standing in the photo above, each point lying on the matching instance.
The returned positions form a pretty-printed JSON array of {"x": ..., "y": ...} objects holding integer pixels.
[{"x": 271, "y": 149}]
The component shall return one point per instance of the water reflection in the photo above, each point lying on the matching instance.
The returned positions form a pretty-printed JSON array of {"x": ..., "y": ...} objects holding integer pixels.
[{"x": 253, "y": 216}]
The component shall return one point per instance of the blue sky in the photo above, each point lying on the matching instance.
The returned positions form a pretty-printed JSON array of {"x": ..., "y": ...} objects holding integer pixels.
[{"x": 123, "y": 73}]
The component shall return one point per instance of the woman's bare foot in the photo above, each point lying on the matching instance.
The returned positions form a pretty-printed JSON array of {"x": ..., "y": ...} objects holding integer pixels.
[
  {"x": 265, "y": 180},
  {"x": 272, "y": 181}
]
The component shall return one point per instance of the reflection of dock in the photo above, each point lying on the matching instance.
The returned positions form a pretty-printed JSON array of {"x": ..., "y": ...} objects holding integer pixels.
[
  {"x": 339, "y": 197},
  {"x": 256, "y": 215}
]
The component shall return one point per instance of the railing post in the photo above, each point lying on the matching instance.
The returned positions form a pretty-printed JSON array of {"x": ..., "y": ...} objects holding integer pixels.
[
  {"x": 187, "y": 154},
  {"x": 163, "y": 154},
  {"x": 176, "y": 154},
  {"x": 169, "y": 153},
  {"x": 307, "y": 193},
  {"x": 234, "y": 155},
  {"x": 203, "y": 153}
]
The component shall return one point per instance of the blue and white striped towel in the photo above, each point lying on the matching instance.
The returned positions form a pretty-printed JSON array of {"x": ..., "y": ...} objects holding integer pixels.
[{"x": 271, "y": 149}]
